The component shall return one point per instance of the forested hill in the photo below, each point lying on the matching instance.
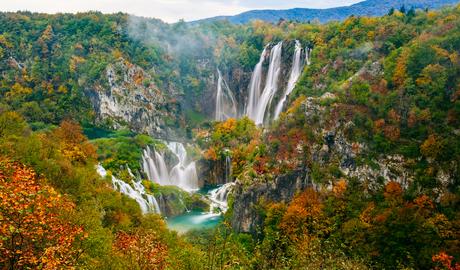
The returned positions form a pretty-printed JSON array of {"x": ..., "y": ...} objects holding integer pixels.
[
  {"x": 365, "y": 8},
  {"x": 360, "y": 171}
]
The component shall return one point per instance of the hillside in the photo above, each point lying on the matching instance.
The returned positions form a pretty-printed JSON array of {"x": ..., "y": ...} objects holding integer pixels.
[
  {"x": 128, "y": 143},
  {"x": 365, "y": 8}
]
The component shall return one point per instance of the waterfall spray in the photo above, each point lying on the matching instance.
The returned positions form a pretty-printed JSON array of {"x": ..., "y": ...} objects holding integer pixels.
[
  {"x": 296, "y": 71},
  {"x": 271, "y": 84},
  {"x": 147, "y": 202},
  {"x": 255, "y": 86},
  {"x": 182, "y": 175},
  {"x": 225, "y": 101}
]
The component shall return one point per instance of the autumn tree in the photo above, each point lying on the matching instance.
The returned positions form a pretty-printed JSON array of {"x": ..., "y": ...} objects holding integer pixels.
[
  {"x": 33, "y": 233},
  {"x": 141, "y": 249},
  {"x": 303, "y": 216},
  {"x": 73, "y": 144}
]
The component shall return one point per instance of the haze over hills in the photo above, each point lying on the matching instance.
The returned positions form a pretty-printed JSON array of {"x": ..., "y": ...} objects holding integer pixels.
[{"x": 365, "y": 8}]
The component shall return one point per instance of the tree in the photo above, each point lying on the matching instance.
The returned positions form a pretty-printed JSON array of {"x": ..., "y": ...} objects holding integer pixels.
[
  {"x": 141, "y": 249},
  {"x": 33, "y": 233}
]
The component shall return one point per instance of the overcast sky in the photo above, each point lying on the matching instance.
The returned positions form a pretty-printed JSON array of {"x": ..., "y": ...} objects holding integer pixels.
[{"x": 167, "y": 10}]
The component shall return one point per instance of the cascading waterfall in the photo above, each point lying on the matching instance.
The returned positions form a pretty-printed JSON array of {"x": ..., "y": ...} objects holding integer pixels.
[
  {"x": 218, "y": 198},
  {"x": 225, "y": 101},
  {"x": 147, "y": 202},
  {"x": 154, "y": 165},
  {"x": 228, "y": 169},
  {"x": 308, "y": 55},
  {"x": 182, "y": 175},
  {"x": 296, "y": 71},
  {"x": 255, "y": 86},
  {"x": 262, "y": 102}
]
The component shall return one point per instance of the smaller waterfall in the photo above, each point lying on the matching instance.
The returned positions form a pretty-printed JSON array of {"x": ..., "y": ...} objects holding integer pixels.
[
  {"x": 296, "y": 71},
  {"x": 271, "y": 85},
  {"x": 228, "y": 169},
  {"x": 218, "y": 198},
  {"x": 182, "y": 175},
  {"x": 308, "y": 55},
  {"x": 225, "y": 100},
  {"x": 147, "y": 202}
]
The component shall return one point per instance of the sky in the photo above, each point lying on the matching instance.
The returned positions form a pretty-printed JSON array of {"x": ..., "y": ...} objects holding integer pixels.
[{"x": 167, "y": 10}]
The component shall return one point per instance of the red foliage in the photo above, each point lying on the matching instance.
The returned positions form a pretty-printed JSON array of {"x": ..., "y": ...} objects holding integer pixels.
[
  {"x": 141, "y": 249},
  {"x": 445, "y": 261},
  {"x": 32, "y": 232}
]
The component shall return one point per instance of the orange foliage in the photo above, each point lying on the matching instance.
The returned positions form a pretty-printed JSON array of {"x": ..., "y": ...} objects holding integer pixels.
[
  {"x": 32, "y": 233},
  {"x": 393, "y": 190},
  {"x": 392, "y": 132},
  {"x": 303, "y": 216},
  {"x": 339, "y": 188},
  {"x": 445, "y": 261},
  {"x": 378, "y": 125},
  {"x": 141, "y": 250},
  {"x": 74, "y": 144},
  {"x": 400, "y": 74},
  {"x": 430, "y": 147}
]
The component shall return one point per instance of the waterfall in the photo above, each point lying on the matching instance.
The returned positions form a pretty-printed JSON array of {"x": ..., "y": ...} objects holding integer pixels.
[
  {"x": 308, "y": 55},
  {"x": 182, "y": 175},
  {"x": 228, "y": 169},
  {"x": 154, "y": 165},
  {"x": 296, "y": 71},
  {"x": 255, "y": 85},
  {"x": 225, "y": 101},
  {"x": 147, "y": 202},
  {"x": 259, "y": 104},
  {"x": 218, "y": 198}
]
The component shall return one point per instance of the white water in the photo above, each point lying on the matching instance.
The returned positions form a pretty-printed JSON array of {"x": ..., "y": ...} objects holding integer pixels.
[
  {"x": 228, "y": 169},
  {"x": 225, "y": 101},
  {"x": 218, "y": 198},
  {"x": 182, "y": 175},
  {"x": 255, "y": 86},
  {"x": 147, "y": 202},
  {"x": 258, "y": 109},
  {"x": 308, "y": 55},
  {"x": 296, "y": 71}
]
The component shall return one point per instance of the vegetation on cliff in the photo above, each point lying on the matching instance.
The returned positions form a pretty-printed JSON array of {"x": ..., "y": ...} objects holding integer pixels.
[{"x": 378, "y": 90}]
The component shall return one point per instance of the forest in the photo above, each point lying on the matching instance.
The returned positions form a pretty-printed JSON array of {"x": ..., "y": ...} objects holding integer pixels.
[{"x": 360, "y": 170}]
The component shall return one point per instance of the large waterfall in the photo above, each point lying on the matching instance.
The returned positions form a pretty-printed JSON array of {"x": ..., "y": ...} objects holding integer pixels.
[
  {"x": 255, "y": 86},
  {"x": 182, "y": 175},
  {"x": 147, "y": 202},
  {"x": 225, "y": 101},
  {"x": 260, "y": 103},
  {"x": 296, "y": 71}
]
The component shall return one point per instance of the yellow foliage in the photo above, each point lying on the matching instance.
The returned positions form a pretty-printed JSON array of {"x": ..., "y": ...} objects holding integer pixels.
[{"x": 400, "y": 74}]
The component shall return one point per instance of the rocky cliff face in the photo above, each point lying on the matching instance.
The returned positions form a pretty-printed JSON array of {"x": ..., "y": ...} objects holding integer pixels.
[
  {"x": 246, "y": 210},
  {"x": 130, "y": 98},
  {"x": 332, "y": 148}
]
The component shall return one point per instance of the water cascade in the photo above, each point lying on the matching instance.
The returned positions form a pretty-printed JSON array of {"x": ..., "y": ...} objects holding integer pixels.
[
  {"x": 261, "y": 102},
  {"x": 182, "y": 175},
  {"x": 218, "y": 198},
  {"x": 296, "y": 71},
  {"x": 255, "y": 86},
  {"x": 225, "y": 101},
  {"x": 308, "y": 55},
  {"x": 147, "y": 202},
  {"x": 228, "y": 169}
]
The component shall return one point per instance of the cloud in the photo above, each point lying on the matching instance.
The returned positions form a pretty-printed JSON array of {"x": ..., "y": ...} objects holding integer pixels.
[{"x": 167, "y": 10}]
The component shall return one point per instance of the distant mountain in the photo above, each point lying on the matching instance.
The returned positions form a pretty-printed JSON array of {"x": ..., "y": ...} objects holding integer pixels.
[{"x": 365, "y": 8}]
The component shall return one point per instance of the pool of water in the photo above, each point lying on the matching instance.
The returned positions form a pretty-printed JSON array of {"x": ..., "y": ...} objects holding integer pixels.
[{"x": 193, "y": 221}]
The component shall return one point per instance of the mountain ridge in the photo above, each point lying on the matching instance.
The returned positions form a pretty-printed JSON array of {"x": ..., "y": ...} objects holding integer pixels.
[{"x": 364, "y": 8}]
